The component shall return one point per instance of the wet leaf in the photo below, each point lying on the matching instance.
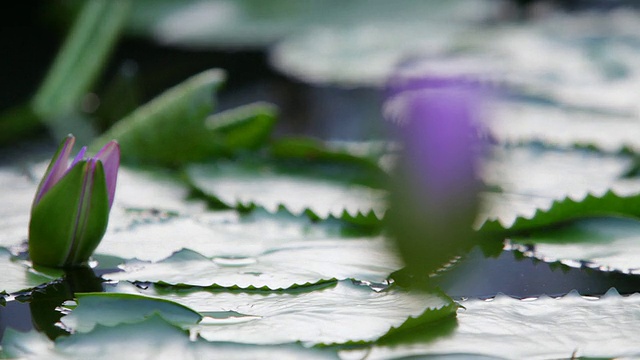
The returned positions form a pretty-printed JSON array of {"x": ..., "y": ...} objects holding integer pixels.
[
  {"x": 539, "y": 187},
  {"x": 281, "y": 266},
  {"x": 344, "y": 313},
  {"x": 562, "y": 127},
  {"x": 545, "y": 328},
  {"x": 110, "y": 309},
  {"x": 18, "y": 275},
  {"x": 324, "y": 190},
  {"x": 15, "y": 205},
  {"x": 606, "y": 243},
  {"x": 223, "y": 234},
  {"x": 152, "y": 338},
  {"x": 518, "y": 214},
  {"x": 153, "y": 190}
]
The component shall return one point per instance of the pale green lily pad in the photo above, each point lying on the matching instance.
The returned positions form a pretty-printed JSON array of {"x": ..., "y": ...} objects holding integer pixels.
[
  {"x": 117, "y": 309},
  {"x": 339, "y": 314},
  {"x": 604, "y": 243},
  {"x": 148, "y": 196},
  {"x": 514, "y": 214},
  {"x": 280, "y": 267},
  {"x": 544, "y": 328},
  {"x": 152, "y": 338},
  {"x": 220, "y": 234},
  {"x": 520, "y": 122},
  {"x": 533, "y": 181},
  {"x": 322, "y": 190},
  {"x": 15, "y": 205},
  {"x": 18, "y": 275},
  {"x": 253, "y": 24}
]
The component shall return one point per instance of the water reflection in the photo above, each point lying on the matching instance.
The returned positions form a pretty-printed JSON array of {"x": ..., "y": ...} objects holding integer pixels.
[
  {"x": 513, "y": 274},
  {"x": 41, "y": 311}
]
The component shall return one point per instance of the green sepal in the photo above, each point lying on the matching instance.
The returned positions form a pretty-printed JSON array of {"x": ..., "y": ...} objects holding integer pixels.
[{"x": 94, "y": 218}]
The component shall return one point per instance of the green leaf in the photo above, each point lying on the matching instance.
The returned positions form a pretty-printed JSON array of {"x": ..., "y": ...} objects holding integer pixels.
[
  {"x": 344, "y": 313},
  {"x": 81, "y": 58},
  {"x": 138, "y": 190},
  {"x": 15, "y": 205},
  {"x": 18, "y": 275},
  {"x": 110, "y": 309},
  {"x": 604, "y": 243},
  {"x": 246, "y": 127},
  {"x": 539, "y": 187},
  {"x": 545, "y": 328},
  {"x": 227, "y": 235},
  {"x": 324, "y": 190},
  {"x": 609, "y": 204},
  {"x": 563, "y": 127},
  {"x": 152, "y": 338},
  {"x": 170, "y": 129},
  {"x": 362, "y": 154},
  {"x": 280, "y": 266}
]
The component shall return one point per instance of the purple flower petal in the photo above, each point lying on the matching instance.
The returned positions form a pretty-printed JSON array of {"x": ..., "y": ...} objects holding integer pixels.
[
  {"x": 109, "y": 155},
  {"x": 57, "y": 167},
  {"x": 79, "y": 157}
]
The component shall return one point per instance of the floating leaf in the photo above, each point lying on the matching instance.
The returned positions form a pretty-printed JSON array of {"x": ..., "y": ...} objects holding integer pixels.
[
  {"x": 15, "y": 206},
  {"x": 542, "y": 187},
  {"x": 153, "y": 190},
  {"x": 525, "y": 213},
  {"x": 546, "y": 328},
  {"x": 338, "y": 314},
  {"x": 323, "y": 190},
  {"x": 18, "y": 275},
  {"x": 152, "y": 338},
  {"x": 605, "y": 243},
  {"x": 280, "y": 267},
  {"x": 110, "y": 309},
  {"x": 223, "y": 234},
  {"x": 561, "y": 127}
]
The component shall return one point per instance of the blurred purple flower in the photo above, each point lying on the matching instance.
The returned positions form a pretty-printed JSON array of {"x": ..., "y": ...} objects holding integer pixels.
[
  {"x": 437, "y": 121},
  {"x": 435, "y": 198}
]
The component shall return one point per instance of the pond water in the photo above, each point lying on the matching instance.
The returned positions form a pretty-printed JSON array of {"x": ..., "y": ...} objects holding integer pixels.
[{"x": 473, "y": 276}]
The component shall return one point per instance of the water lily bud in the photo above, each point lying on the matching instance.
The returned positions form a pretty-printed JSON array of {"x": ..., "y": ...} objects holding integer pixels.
[
  {"x": 70, "y": 211},
  {"x": 434, "y": 200}
]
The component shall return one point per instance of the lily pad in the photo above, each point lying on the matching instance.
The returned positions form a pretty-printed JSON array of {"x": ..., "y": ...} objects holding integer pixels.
[
  {"x": 564, "y": 128},
  {"x": 541, "y": 186},
  {"x": 512, "y": 213},
  {"x": 545, "y": 328},
  {"x": 221, "y": 234},
  {"x": 15, "y": 205},
  {"x": 280, "y": 267},
  {"x": 325, "y": 191},
  {"x": 344, "y": 313},
  {"x": 152, "y": 338},
  {"x": 152, "y": 190},
  {"x": 18, "y": 275},
  {"x": 604, "y": 243},
  {"x": 113, "y": 309}
]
